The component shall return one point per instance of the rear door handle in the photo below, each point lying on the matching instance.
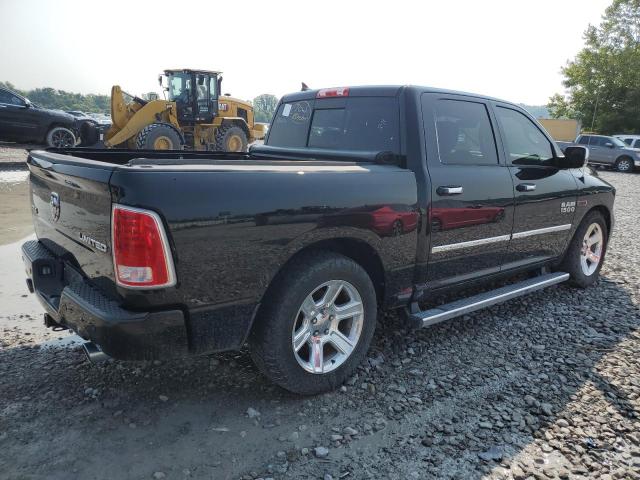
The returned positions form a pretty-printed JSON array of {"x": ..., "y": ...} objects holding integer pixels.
[
  {"x": 526, "y": 187},
  {"x": 450, "y": 190}
]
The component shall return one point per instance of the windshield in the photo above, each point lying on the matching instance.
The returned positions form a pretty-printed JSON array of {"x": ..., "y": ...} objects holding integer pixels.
[
  {"x": 618, "y": 143},
  {"x": 179, "y": 87}
]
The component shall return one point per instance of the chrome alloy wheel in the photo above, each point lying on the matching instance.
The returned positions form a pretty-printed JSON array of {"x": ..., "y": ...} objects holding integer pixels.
[
  {"x": 591, "y": 251},
  {"x": 63, "y": 139},
  {"x": 327, "y": 327},
  {"x": 624, "y": 165}
]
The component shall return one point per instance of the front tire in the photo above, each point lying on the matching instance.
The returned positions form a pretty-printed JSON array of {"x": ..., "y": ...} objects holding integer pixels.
[
  {"x": 316, "y": 325},
  {"x": 159, "y": 136},
  {"x": 231, "y": 138},
  {"x": 585, "y": 255},
  {"x": 60, "y": 137}
]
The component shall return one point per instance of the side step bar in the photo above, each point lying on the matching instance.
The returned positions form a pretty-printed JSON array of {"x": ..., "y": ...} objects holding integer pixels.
[{"x": 447, "y": 311}]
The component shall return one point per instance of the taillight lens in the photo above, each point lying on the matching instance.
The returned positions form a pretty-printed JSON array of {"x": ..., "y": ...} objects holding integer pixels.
[{"x": 141, "y": 254}]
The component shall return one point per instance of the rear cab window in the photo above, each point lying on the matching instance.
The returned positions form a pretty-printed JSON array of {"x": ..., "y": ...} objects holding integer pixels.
[{"x": 353, "y": 124}]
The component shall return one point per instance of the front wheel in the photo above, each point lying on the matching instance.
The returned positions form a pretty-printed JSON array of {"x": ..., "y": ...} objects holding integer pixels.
[
  {"x": 159, "y": 136},
  {"x": 316, "y": 325},
  {"x": 60, "y": 137},
  {"x": 231, "y": 138},
  {"x": 585, "y": 255}
]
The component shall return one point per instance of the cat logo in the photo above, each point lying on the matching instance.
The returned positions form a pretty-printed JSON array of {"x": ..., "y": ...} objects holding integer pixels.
[{"x": 567, "y": 207}]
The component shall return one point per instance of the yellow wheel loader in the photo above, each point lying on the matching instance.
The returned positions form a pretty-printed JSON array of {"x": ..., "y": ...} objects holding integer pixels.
[{"x": 194, "y": 116}]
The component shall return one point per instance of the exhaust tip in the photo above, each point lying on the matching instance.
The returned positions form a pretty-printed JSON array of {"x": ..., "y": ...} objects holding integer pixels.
[{"x": 93, "y": 353}]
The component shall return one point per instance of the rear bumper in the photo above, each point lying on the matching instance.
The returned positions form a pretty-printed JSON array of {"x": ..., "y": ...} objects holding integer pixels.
[{"x": 73, "y": 302}]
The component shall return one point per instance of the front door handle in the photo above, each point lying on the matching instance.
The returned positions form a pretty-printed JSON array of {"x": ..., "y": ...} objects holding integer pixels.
[
  {"x": 526, "y": 187},
  {"x": 449, "y": 190}
]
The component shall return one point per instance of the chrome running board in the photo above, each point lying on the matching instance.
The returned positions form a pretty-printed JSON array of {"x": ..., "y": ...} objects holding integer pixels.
[{"x": 447, "y": 311}]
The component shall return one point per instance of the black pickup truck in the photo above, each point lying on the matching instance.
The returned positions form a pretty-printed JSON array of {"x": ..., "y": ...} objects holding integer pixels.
[{"x": 361, "y": 199}]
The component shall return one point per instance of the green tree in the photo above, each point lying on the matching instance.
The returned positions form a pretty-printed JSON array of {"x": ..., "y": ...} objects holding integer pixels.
[
  {"x": 264, "y": 106},
  {"x": 603, "y": 81}
]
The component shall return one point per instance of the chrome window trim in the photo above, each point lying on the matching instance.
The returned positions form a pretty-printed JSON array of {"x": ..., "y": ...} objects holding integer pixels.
[
  {"x": 502, "y": 238},
  {"x": 542, "y": 231}
]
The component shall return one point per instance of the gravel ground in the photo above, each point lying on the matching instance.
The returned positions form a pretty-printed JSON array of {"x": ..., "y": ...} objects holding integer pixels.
[{"x": 546, "y": 386}]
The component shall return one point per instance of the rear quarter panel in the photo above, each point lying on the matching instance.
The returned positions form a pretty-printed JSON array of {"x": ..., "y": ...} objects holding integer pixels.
[{"x": 232, "y": 231}]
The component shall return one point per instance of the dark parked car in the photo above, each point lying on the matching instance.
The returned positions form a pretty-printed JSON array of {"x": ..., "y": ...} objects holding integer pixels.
[
  {"x": 23, "y": 121},
  {"x": 296, "y": 246}
]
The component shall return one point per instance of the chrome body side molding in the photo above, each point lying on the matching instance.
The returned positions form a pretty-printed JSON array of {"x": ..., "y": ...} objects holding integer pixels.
[
  {"x": 501, "y": 238},
  {"x": 471, "y": 243}
]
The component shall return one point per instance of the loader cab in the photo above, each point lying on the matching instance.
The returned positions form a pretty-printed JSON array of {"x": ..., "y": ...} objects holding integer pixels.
[{"x": 195, "y": 93}]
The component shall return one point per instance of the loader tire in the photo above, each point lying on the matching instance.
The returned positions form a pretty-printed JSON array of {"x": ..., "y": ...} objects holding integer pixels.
[
  {"x": 231, "y": 138},
  {"x": 159, "y": 136}
]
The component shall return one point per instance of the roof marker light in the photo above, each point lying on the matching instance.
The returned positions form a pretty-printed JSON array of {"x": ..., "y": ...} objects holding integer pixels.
[{"x": 333, "y": 92}]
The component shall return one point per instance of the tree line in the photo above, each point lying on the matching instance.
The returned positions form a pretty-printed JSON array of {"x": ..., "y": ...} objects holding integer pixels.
[{"x": 603, "y": 81}]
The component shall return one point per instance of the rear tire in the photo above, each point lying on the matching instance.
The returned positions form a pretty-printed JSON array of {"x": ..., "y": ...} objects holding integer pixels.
[
  {"x": 60, "y": 137},
  {"x": 299, "y": 340},
  {"x": 624, "y": 164},
  {"x": 159, "y": 136},
  {"x": 585, "y": 254},
  {"x": 231, "y": 138}
]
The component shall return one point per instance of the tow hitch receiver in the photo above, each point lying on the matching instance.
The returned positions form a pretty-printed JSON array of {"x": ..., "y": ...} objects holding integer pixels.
[{"x": 49, "y": 322}]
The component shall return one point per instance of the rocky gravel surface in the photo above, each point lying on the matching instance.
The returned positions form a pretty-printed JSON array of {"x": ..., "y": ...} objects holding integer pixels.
[{"x": 543, "y": 387}]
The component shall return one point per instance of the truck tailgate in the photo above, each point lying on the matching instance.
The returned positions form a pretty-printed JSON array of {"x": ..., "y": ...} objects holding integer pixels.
[{"x": 71, "y": 206}]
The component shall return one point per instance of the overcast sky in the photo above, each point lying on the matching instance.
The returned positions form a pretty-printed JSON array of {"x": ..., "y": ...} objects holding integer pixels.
[{"x": 512, "y": 49}]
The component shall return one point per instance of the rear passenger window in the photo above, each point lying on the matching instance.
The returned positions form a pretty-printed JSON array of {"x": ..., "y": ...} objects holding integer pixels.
[
  {"x": 465, "y": 136},
  {"x": 524, "y": 142},
  {"x": 637, "y": 144}
]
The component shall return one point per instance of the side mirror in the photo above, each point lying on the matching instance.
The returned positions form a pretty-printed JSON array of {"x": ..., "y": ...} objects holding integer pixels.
[
  {"x": 574, "y": 157},
  {"x": 608, "y": 144},
  {"x": 27, "y": 103}
]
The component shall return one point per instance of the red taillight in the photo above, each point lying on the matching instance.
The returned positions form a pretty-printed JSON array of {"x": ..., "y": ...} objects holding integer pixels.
[
  {"x": 141, "y": 255},
  {"x": 333, "y": 92}
]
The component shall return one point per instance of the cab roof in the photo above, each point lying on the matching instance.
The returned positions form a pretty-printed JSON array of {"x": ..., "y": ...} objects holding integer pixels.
[{"x": 386, "y": 91}]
